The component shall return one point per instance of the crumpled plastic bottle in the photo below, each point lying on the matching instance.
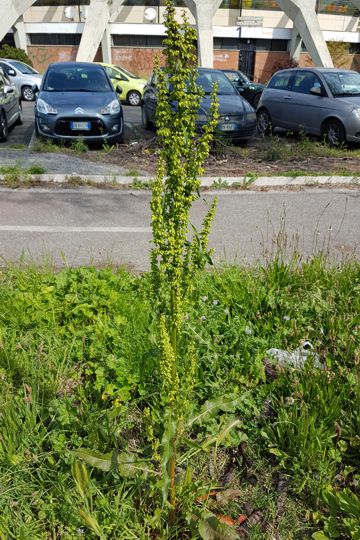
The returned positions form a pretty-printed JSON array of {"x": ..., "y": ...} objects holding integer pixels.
[{"x": 296, "y": 358}]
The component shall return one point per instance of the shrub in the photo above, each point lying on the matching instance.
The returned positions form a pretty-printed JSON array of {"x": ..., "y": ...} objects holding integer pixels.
[{"x": 6, "y": 51}]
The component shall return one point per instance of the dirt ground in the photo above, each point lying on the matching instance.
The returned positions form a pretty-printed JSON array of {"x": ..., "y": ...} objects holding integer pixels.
[{"x": 262, "y": 156}]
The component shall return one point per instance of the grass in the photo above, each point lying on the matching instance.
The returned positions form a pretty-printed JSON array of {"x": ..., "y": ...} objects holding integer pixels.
[
  {"x": 78, "y": 369},
  {"x": 15, "y": 175}
]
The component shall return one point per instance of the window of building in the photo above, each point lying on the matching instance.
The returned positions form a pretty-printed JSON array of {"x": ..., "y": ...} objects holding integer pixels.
[
  {"x": 54, "y": 39},
  {"x": 137, "y": 41},
  {"x": 337, "y": 7},
  {"x": 49, "y": 3}
]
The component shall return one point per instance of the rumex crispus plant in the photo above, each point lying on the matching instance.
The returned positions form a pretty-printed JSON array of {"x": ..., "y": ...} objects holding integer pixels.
[{"x": 175, "y": 258}]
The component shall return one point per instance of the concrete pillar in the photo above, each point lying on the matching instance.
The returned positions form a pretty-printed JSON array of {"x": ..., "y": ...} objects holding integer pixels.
[
  {"x": 11, "y": 10},
  {"x": 20, "y": 34},
  {"x": 303, "y": 15},
  {"x": 99, "y": 15},
  {"x": 203, "y": 11},
  {"x": 295, "y": 45},
  {"x": 106, "y": 46}
]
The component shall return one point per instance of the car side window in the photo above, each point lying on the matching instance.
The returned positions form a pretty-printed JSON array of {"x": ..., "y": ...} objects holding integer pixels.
[
  {"x": 2, "y": 82},
  {"x": 281, "y": 81},
  {"x": 305, "y": 81}
]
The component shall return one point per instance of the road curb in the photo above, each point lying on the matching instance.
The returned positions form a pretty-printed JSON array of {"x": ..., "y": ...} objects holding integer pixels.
[{"x": 213, "y": 181}]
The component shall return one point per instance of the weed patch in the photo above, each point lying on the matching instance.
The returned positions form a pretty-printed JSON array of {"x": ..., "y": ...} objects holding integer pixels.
[{"x": 79, "y": 369}]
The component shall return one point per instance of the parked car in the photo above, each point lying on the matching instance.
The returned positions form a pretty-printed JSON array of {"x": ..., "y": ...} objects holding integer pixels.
[
  {"x": 131, "y": 85},
  {"x": 237, "y": 117},
  {"x": 249, "y": 90},
  {"x": 23, "y": 76},
  {"x": 10, "y": 106},
  {"x": 77, "y": 101},
  {"x": 321, "y": 101}
]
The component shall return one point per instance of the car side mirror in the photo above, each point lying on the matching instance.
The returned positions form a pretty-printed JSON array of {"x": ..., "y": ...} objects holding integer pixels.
[
  {"x": 11, "y": 72},
  {"x": 316, "y": 90},
  {"x": 118, "y": 90},
  {"x": 118, "y": 77},
  {"x": 8, "y": 89},
  {"x": 35, "y": 88}
]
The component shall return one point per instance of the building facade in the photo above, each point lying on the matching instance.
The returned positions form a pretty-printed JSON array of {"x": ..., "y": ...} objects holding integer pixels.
[{"x": 256, "y": 36}]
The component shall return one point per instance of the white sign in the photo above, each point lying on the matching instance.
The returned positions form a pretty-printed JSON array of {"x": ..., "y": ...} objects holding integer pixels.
[{"x": 250, "y": 21}]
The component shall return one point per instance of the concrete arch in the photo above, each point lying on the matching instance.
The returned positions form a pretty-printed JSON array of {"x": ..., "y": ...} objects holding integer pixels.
[
  {"x": 11, "y": 11},
  {"x": 306, "y": 24}
]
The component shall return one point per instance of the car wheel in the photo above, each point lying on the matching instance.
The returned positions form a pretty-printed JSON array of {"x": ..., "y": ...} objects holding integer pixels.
[
  {"x": 145, "y": 121},
  {"x": 255, "y": 100},
  {"x": 20, "y": 120},
  {"x": 264, "y": 122},
  {"x": 134, "y": 98},
  {"x": 27, "y": 93},
  {"x": 334, "y": 132},
  {"x": 4, "y": 131}
]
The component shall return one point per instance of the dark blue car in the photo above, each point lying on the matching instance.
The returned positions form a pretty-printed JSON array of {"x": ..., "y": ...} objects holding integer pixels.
[
  {"x": 77, "y": 101},
  {"x": 237, "y": 119}
]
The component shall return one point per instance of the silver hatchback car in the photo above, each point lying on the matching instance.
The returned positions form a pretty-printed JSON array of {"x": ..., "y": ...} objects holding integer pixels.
[
  {"x": 320, "y": 101},
  {"x": 23, "y": 76}
]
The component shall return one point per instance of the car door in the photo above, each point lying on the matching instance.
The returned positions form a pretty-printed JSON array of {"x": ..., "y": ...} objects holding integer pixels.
[
  {"x": 117, "y": 80},
  {"x": 277, "y": 95},
  {"x": 150, "y": 98},
  {"x": 303, "y": 106},
  {"x": 9, "y": 100}
]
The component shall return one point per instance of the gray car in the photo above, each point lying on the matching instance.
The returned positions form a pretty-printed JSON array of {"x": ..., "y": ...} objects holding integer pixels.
[
  {"x": 77, "y": 101},
  {"x": 237, "y": 117},
  {"x": 320, "y": 101},
  {"x": 22, "y": 75},
  {"x": 10, "y": 106}
]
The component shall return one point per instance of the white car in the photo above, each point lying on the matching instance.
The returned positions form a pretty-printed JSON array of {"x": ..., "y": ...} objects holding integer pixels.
[{"x": 23, "y": 76}]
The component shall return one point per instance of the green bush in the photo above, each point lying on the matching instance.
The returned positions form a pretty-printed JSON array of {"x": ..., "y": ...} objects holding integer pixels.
[{"x": 6, "y": 51}]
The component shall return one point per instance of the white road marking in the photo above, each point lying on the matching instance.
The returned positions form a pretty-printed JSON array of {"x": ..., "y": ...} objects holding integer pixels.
[{"x": 60, "y": 229}]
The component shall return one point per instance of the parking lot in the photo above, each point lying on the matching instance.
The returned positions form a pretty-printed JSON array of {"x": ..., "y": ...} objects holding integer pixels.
[{"x": 22, "y": 135}]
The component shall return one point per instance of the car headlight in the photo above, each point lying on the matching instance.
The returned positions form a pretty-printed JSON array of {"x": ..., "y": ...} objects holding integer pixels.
[
  {"x": 356, "y": 112},
  {"x": 45, "y": 108},
  {"x": 111, "y": 108}
]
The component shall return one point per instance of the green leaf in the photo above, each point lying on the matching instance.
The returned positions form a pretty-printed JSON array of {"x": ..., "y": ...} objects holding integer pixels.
[
  {"x": 126, "y": 463},
  {"x": 211, "y": 529},
  {"x": 210, "y": 408},
  {"x": 319, "y": 536}
]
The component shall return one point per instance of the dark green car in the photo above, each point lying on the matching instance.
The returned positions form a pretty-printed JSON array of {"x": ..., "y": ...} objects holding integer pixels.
[{"x": 248, "y": 90}]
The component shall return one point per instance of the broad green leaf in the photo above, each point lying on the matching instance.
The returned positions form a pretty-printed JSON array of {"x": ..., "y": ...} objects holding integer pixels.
[
  {"x": 126, "y": 463},
  {"x": 211, "y": 529},
  {"x": 210, "y": 408},
  {"x": 319, "y": 536}
]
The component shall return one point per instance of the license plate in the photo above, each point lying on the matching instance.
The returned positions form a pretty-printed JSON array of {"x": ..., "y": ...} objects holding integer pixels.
[
  {"x": 228, "y": 127},
  {"x": 80, "y": 125}
]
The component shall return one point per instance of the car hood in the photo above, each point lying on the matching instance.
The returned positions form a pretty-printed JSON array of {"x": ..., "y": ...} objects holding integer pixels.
[
  {"x": 228, "y": 104},
  {"x": 90, "y": 102},
  {"x": 255, "y": 86},
  {"x": 350, "y": 101}
]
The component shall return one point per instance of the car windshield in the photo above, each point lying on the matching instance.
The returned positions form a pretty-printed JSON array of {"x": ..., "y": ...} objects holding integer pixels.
[
  {"x": 128, "y": 73},
  {"x": 343, "y": 83},
  {"x": 76, "y": 79},
  {"x": 237, "y": 76},
  {"x": 206, "y": 80},
  {"x": 23, "y": 68}
]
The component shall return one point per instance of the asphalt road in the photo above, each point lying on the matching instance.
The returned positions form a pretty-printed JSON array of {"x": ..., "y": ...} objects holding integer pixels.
[{"x": 89, "y": 226}]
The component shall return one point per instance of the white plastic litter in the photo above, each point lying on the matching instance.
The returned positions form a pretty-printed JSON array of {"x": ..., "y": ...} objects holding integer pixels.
[{"x": 296, "y": 358}]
